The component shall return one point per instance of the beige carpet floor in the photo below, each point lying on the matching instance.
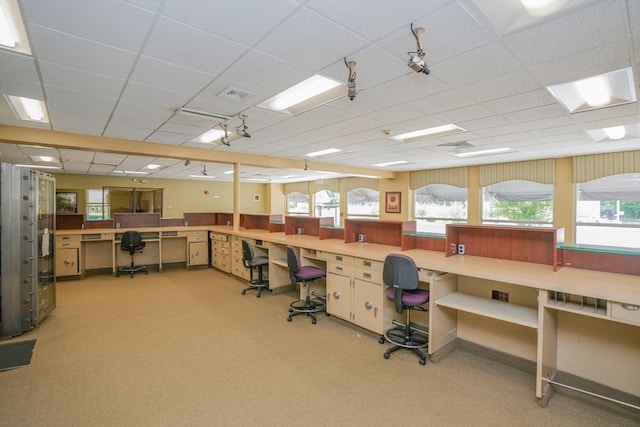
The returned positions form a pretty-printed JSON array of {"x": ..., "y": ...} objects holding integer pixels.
[{"x": 185, "y": 348}]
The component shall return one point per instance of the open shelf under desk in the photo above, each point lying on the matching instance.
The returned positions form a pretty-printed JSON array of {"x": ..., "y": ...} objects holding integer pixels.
[
  {"x": 512, "y": 313},
  {"x": 280, "y": 262}
]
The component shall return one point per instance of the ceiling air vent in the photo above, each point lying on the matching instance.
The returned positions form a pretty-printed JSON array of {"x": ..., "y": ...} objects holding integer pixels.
[{"x": 235, "y": 94}]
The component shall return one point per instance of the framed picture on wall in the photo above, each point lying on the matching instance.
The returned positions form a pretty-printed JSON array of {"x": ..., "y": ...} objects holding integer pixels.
[
  {"x": 66, "y": 202},
  {"x": 392, "y": 202}
]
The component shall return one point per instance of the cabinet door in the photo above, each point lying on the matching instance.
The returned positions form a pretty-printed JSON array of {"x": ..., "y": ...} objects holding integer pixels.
[
  {"x": 339, "y": 296},
  {"x": 67, "y": 262},
  {"x": 368, "y": 310},
  {"x": 198, "y": 253}
]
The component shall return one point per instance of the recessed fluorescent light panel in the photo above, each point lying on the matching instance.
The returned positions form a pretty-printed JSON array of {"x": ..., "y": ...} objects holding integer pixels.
[
  {"x": 45, "y": 159},
  {"x": 603, "y": 90},
  {"x": 39, "y": 167},
  {"x": 308, "y": 94},
  {"x": 132, "y": 172},
  {"x": 542, "y": 7},
  {"x": 323, "y": 152},
  {"x": 478, "y": 153},
  {"x": 209, "y": 136},
  {"x": 397, "y": 162},
  {"x": 28, "y": 109},
  {"x": 615, "y": 133},
  {"x": 12, "y": 33},
  {"x": 434, "y": 132},
  {"x": 202, "y": 176}
]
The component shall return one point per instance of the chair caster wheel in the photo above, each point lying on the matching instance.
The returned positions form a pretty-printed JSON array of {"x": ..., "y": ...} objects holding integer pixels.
[
  {"x": 381, "y": 340},
  {"x": 289, "y": 319},
  {"x": 387, "y": 355},
  {"x": 146, "y": 273},
  {"x": 243, "y": 292},
  {"x": 423, "y": 361},
  {"x": 257, "y": 296},
  {"x": 313, "y": 322}
]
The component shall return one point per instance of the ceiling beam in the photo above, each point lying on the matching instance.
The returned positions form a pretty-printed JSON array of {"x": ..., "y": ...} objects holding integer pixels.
[{"x": 54, "y": 139}]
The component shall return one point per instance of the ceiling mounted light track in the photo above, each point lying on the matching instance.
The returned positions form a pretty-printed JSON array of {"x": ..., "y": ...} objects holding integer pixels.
[
  {"x": 200, "y": 114},
  {"x": 416, "y": 59},
  {"x": 351, "y": 80},
  {"x": 242, "y": 129}
]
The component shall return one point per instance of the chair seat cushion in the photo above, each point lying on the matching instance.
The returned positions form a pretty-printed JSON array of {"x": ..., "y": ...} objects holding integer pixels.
[
  {"x": 411, "y": 298},
  {"x": 259, "y": 260},
  {"x": 309, "y": 272}
]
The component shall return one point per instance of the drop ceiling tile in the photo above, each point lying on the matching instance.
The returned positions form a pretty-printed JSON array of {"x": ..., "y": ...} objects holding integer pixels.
[
  {"x": 500, "y": 86},
  {"x": 76, "y": 167},
  {"x": 441, "y": 102},
  {"x": 484, "y": 123},
  {"x": 114, "y": 23},
  {"x": 100, "y": 169},
  {"x": 551, "y": 39},
  {"x": 153, "y": 72},
  {"x": 76, "y": 155},
  {"x": 17, "y": 66},
  {"x": 538, "y": 113},
  {"x": 521, "y": 101},
  {"x": 194, "y": 48},
  {"x": 111, "y": 159},
  {"x": 222, "y": 18},
  {"x": 173, "y": 138},
  {"x": 86, "y": 55},
  {"x": 80, "y": 81},
  {"x": 171, "y": 100},
  {"x": 16, "y": 87},
  {"x": 472, "y": 66},
  {"x": 308, "y": 39}
]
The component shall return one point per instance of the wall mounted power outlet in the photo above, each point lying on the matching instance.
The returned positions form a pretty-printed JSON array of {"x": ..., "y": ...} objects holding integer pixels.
[
  {"x": 453, "y": 249},
  {"x": 461, "y": 249}
]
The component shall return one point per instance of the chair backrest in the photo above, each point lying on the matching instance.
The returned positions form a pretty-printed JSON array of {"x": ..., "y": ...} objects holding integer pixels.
[
  {"x": 131, "y": 241},
  {"x": 401, "y": 274},
  {"x": 247, "y": 251},
  {"x": 293, "y": 262}
]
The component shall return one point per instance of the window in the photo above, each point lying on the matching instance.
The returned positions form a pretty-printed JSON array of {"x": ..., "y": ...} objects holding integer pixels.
[
  {"x": 363, "y": 203},
  {"x": 297, "y": 204},
  {"x": 437, "y": 205},
  {"x": 608, "y": 211},
  {"x": 97, "y": 207},
  {"x": 521, "y": 203},
  {"x": 327, "y": 203}
]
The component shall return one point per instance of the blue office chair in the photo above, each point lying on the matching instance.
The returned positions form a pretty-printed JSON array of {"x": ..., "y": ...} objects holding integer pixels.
[
  {"x": 305, "y": 275},
  {"x": 252, "y": 262},
  {"x": 400, "y": 274},
  {"x": 132, "y": 242}
]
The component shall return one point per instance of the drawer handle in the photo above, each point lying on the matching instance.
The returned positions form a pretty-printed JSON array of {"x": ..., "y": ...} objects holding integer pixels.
[
  {"x": 366, "y": 275},
  {"x": 338, "y": 258},
  {"x": 338, "y": 268},
  {"x": 336, "y": 295},
  {"x": 68, "y": 262},
  {"x": 368, "y": 305},
  {"x": 630, "y": 307},
  {"x": 366, "y": 263},
  {"x": 66, "y": 245}
]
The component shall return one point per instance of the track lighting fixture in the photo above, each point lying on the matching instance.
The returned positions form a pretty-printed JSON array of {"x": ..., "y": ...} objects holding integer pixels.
[
  {"x": 242, "y": 129},
  {"x": 187, "y": 162},
  {"x": 224, "y": 140},
  {"x": 351, "y": 80},
  {"x": 416, "y": 59},
  {"x": 306, "y": 164}
]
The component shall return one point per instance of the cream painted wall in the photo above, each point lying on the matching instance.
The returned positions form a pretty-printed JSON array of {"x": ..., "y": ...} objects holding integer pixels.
[
  {"x": 401, "y": 184},
  {"x": 564, "y": 199},
  {"x": 180, "y": 196}
]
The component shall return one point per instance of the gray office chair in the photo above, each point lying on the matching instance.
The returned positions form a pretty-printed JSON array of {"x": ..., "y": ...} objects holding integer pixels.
[
  {"x": 132, "y": 243},
  {"x": 400, "y": 274},
  {"x": 252, "y": 262},
  {"x": 306, "y": 275}
]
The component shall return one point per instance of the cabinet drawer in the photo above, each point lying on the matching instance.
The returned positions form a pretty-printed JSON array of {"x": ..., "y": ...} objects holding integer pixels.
[
  {"x": 220, "y": 237},
  {"x": 339, "y": 259},
  {"x": 68, "y": 241},
  {"x": 368, "y": 264},
  {"x": 368, "y": 275},
  {"x": 338, "y": 268},
  {"x": 195, "y": 236},
  {"x": 628, "y": 312}
]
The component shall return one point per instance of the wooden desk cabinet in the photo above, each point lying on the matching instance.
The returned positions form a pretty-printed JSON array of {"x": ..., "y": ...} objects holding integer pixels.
[
  {"x": 221, "y": 252},
  {"x": 68, "y": 255},
  {"x": 355, "y": 292},
  {"x": 197, "y": 248}
]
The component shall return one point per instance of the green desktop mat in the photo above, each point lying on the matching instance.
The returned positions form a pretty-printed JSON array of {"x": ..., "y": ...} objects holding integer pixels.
[{"x": 16, "y": 355}]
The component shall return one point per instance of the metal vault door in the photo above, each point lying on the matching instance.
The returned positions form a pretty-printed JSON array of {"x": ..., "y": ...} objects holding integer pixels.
[{"x": 27, "y": 234}]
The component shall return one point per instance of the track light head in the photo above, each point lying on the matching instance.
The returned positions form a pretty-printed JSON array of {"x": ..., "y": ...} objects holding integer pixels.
[
  {"x": 351, "y": 81},
  {"x": 242, "y": 129},
  {"x": 187, "y": 162},
  {"x": 416, "y": 59}
]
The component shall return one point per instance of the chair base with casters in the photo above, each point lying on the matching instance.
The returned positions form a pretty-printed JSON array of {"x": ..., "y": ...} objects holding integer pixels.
[
  {"x": 256, "y": 284},
  {"x": 308, "y": 306},
  {"x": 252, "y": 262},
  {"x": 406, "y": 336},
  {"x": 132, "y": 270}
]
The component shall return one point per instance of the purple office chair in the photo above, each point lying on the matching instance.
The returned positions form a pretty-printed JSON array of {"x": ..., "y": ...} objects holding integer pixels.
[
  {"x": 305, "y": 275},
  {"x": 400, "y": 274}
]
